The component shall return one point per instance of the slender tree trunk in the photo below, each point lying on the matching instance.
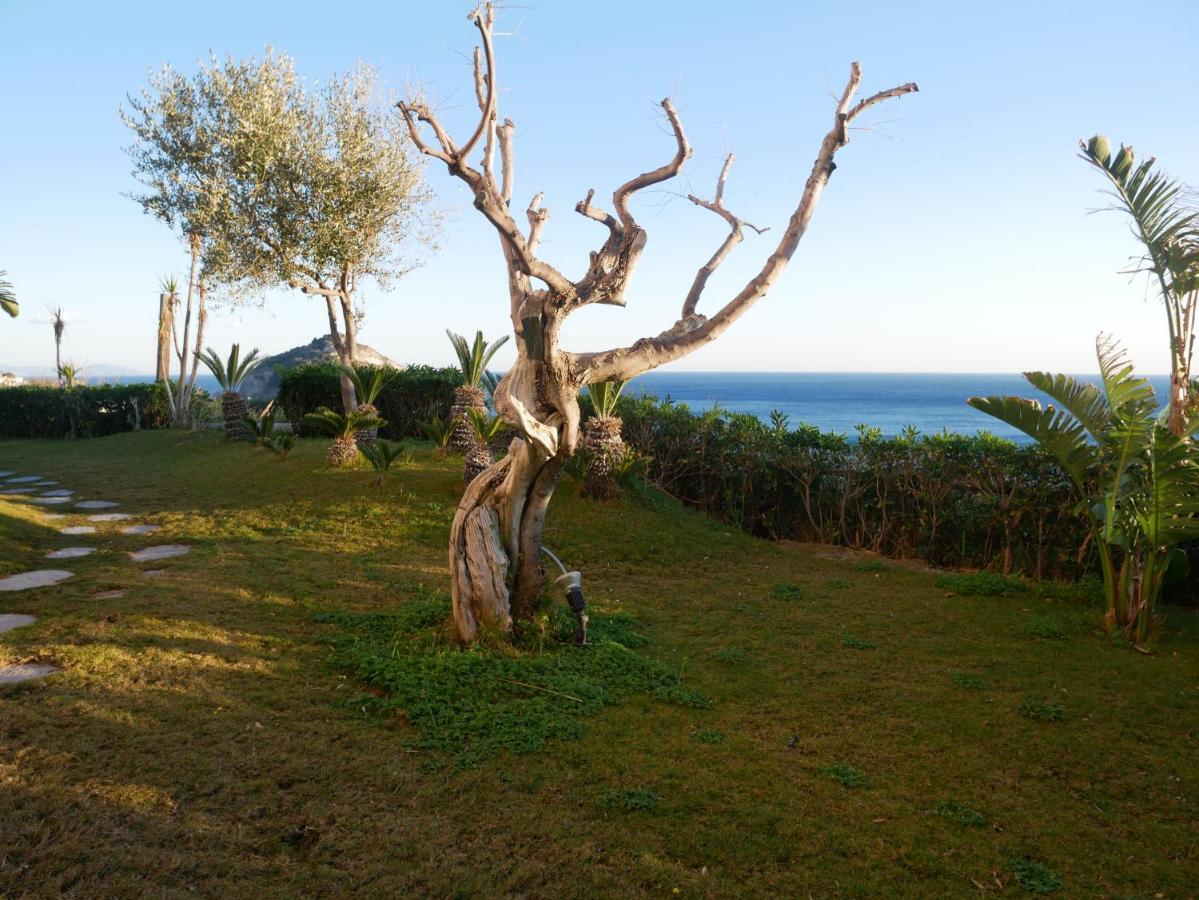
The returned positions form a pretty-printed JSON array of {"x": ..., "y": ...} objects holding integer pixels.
[
  {"x": 346, "y": 347},
  {"x": 181, "y": 396},
  {"x": 166, "y": 320},
  {"x": 58, "y": 353}
]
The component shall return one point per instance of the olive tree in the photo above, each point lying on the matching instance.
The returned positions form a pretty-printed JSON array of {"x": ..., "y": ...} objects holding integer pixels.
[
  {"x": 323, "y": 188},
  {"x": 495, "y": 538}
]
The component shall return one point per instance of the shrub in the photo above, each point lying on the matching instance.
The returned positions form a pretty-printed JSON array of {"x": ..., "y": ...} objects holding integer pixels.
[
  {"x": 30, "y": 411},
  {"x": 411, "y": 397},
  {"x": 848, "y": 776}
]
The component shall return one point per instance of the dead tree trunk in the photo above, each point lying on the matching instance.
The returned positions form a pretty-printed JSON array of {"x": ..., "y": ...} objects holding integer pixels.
[
  {"x": 495, "y": 539},
  {"x": 166, "y": 324}
]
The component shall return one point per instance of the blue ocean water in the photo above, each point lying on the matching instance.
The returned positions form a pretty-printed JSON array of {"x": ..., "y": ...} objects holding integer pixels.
[
  {"x": 835, "y": 401},
  {"x": 840, "y": 401}
]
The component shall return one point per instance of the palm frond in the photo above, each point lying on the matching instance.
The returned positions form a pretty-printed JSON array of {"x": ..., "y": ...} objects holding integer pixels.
[
  {"x": 8, "y": 297},
  {"x": 1056, "y": 431},
  {"x": 1128, "y": 396},
  {"x": 230, "y": 373},
  {"x": 605, "y": 395},
  {"x": 485, "y": 427},
  {"x": 337, "y": 425},
  {"x": 369, "y": 383},
  {"x": 474, "y": 357},
  {"x": 1081, "y": 399}
]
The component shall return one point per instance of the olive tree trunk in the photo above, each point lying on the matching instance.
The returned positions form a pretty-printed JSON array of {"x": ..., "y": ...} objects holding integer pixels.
[{"x": 495, "y": 538}]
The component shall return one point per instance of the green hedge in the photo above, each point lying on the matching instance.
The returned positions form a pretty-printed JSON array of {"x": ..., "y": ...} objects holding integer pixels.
[
  {"x": 29, "y": 411},
  {"x": 414, "y": 396}
]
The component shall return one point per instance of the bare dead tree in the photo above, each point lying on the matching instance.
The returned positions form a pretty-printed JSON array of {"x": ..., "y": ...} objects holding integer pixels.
[{"x": 495, "y": 539}]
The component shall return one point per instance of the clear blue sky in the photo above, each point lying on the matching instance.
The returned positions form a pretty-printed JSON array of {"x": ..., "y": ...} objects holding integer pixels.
[{"x": 954, "y": 235}]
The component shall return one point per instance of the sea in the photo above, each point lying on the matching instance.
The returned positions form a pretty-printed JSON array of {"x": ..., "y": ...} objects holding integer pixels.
[{"x": 836, "y": 401}]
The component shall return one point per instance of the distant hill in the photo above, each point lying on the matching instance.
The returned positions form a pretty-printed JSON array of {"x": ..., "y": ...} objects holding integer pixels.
[{"x": 263, "y": 382}]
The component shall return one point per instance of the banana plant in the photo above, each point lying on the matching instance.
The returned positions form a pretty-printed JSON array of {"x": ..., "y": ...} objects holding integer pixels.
[
  {"x": 8, "y": 297},
  {"x": 1166, "y": 222},
  {"x": 1137, "y": 479}
]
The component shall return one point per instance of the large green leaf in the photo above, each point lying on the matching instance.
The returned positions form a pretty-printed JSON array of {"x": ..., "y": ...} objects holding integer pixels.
[
  {"x": 1083, "y": 400},
  {"x": 1056, "y": 431},
  {"x": 1128, "y": 396}
]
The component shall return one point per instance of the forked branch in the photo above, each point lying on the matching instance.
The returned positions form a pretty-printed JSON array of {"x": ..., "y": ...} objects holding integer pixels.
[
  {"x": 736, "y": 235},
  {"x": 693, "y": 331}
]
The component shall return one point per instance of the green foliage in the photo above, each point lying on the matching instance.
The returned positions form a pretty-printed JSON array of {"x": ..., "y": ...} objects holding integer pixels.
[
  {"x": 474, "y": 703},
  {"x": 1138, "y": 481},
  {"x": 70, "y": 375},
  {"x": 230, "y": 374},
  {"x": 970, "y": 682},
  {"x": 848, "y": 776},
  {"x": 28, "y": 411},
  {"x": 408, "y": 398},
  {"x": 732, "y": 655},
  {"x": 486, "y": 427},
  {"x": 369, "y": 382},
  {"x": 605, "y": 395},
  {"x": 1035, "y": 877},
  {"x": 629, "y": 800},
  {"x": 8, "y": 297},
  {"x": 982, "y": 584},
  {"x": 708, "y": 736},
  {"x": 857, "y": 643},
  {"x": 787, "y": 591},
  {"x": 474, "y": 357},
  {"x": 262, "y": 426},
  {"x": 382, "y": 456},
  {"x": 439, "y": 431},
  {"x": 1046, "y": 628},
  {"x": 957, "y": 501},
  {"x": 279, "y": 444},
  {"x": 336, "y": 425},
  {"x": 838, "y": 584},
  {"x": 960, "y": 813},
  {"x": 1039, "y": 711}
]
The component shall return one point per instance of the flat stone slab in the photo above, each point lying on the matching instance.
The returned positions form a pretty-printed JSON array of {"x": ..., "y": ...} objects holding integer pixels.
[
  {"x": 6, "y": 474},
  {"x": 9, "y": 621},
  {"x": 110, "y": 517},
  {"x": 17, "y": 674},
  {"x": 49, "y": 501},
  {"x": 23, "y": 581},
  {"x": 60, "y": 492},
  {"x": 55, "y": 515},
  {"x": 70, "y": 552},
  {"x": 44, "y": 483},
  {"x": 96, "y": 504},
  {"x": 15, "y": 491},
  {"x": 78, "y": 529},
  {"x": 140, "y": 529},
  {"x": 24, "y": 479},
  {"x": 162, "y": 551},
  {"x": 109, "y": 595}
]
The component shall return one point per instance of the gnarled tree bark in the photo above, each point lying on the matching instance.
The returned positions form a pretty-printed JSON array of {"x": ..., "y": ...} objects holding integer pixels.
[{"x": 495, "y": 540}]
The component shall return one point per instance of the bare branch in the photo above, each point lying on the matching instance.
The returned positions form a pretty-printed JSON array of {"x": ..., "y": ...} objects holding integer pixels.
[
  {"x": 694, "y": 331},
  {"x": 584, "y": 208},
  {"x": 484, "y": 19},
  {"x": 507, "y": 159},
  {"x": 411, "y": 113},
  {"x": 736, "y": 235},
  {"x": 537, "y": 215},
  {"x": 620, "y": 198},
  {"x": 481, "y": 81}
]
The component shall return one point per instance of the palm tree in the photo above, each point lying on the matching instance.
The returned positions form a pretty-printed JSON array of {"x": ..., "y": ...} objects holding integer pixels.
[
  {"x": 383, "y": 455},
  {"x": 58, "y": 319},
  {"x": 367, "y": 389},
  {"x": 342, "y": 429},
  {"x": 472, "y": 360},
  {"x": 1138, "y": 480},
  {"x": 487, "y": 432},
  {"x": 1167, "y": 225},
  {"x": 229, "y": 375},
  {"x": 602, "y": 442},
  {"x": 8, "y": 297},
  {"x": 69, "y": 374}
]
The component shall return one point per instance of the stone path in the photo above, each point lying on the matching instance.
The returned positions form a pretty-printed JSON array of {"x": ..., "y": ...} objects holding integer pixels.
[{"x": 24, "y": 485}]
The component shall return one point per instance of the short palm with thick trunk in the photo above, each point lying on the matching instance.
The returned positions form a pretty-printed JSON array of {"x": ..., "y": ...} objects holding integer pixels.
[{"x": 495, "y": 539}]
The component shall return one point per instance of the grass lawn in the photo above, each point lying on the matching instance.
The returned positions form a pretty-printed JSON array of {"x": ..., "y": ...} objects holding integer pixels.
[{"x": 870, "y": 733}]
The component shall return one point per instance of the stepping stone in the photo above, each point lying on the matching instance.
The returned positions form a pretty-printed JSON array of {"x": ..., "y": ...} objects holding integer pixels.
[
  {"x": 55, "y": 515},
  {"x": 96, "y": 504},
  {"x": 61, "y": 492},
  {"x": 140, "y": 529},
  {"x": 44, "y": 483},
  {"x": 162, "y": 551},
  {"x": 17, "y": 674},
  {"x": 78, "y": 529},
  {"x": 24, "y": 479},
  {"x": 9, "y": 621},
  {"x": 70, "y": 552},
  {"x": 110, "y": 595},
  {"x": 39, "y": 578},
  {"x": 150, "y": 573},
  {"x": 15, "y": 491},
  {"x": 6, "y": 474},
  {"x": 110, "y": 517},
  {"x": 49, "y": 501}
]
